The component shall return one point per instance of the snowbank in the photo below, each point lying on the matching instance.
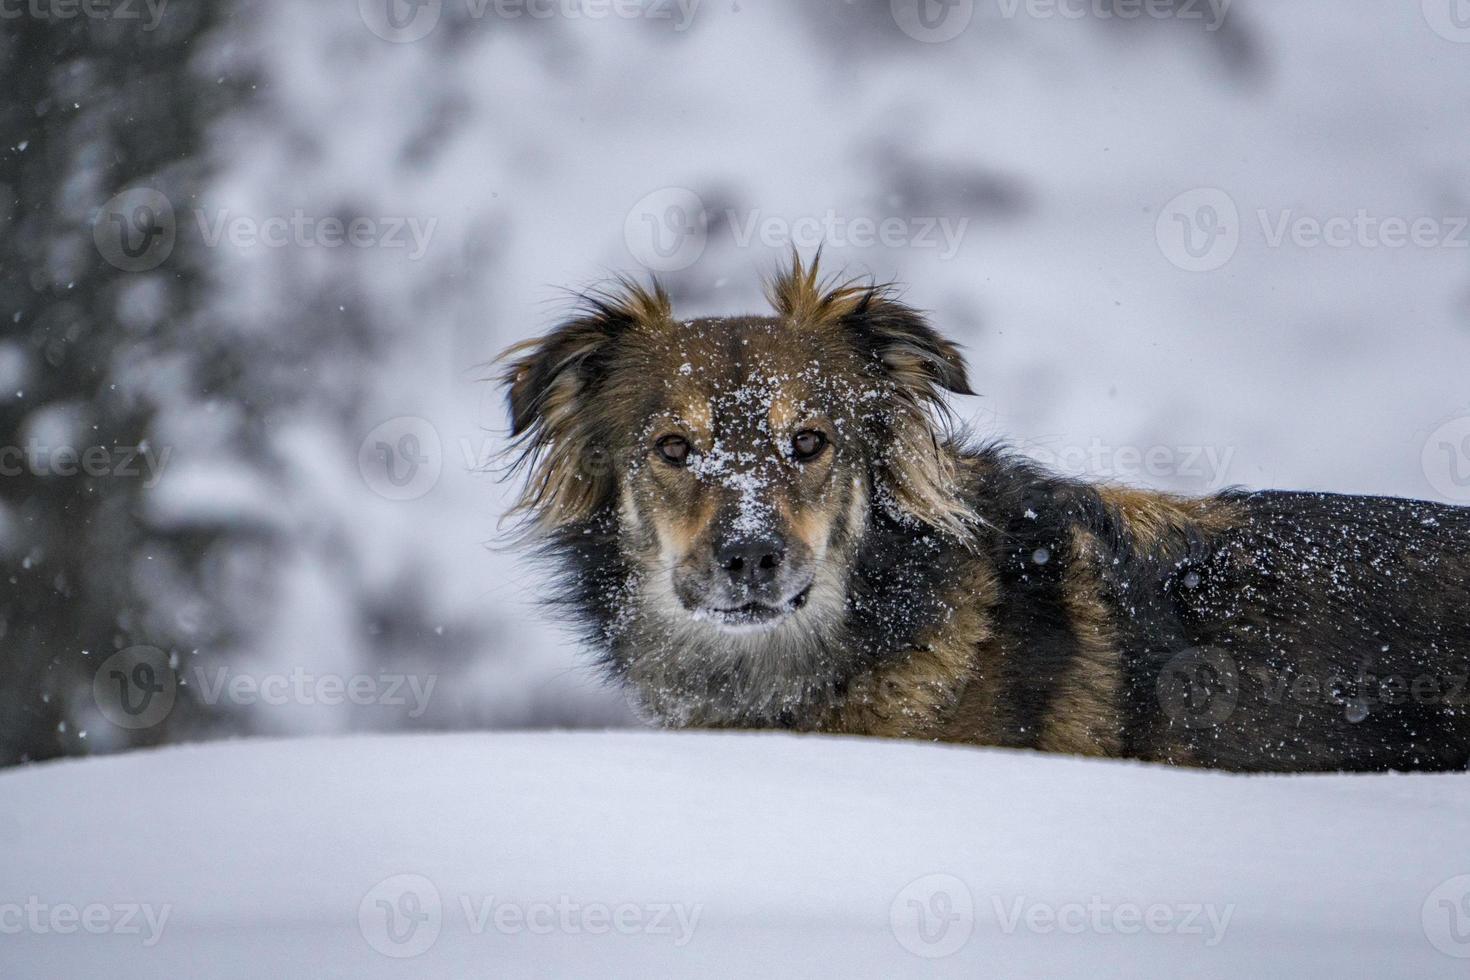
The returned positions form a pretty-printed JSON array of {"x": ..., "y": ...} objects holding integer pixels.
[{"x": 639, "y": 854}]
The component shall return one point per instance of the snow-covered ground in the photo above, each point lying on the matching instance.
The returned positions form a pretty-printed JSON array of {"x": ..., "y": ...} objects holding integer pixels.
[{"x": 660, "y": 854}]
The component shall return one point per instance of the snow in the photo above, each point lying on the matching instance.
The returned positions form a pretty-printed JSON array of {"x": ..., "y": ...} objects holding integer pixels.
[{"x": 661, "y": 854}]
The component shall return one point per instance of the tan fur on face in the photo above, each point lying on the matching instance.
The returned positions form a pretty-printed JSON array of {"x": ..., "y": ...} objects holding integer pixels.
[{"x": 785, "y": 413}]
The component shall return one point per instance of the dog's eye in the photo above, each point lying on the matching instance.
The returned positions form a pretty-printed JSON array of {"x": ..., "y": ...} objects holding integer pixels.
[
  {"x": 674, "y": 449},
  {"x": 808, "y": 444}
]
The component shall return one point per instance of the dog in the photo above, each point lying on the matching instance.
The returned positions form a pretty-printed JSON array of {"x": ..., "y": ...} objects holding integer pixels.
[{"x": 772, "y": 522}]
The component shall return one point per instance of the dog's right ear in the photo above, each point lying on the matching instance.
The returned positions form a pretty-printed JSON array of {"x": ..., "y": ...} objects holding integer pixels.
[{"x": 548, "y": 383}]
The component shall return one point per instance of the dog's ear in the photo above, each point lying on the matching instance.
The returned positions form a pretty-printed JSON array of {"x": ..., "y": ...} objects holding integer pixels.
[
  {"x": 900, "y": 341},
  {"x": 913, "y": 463},
  {"x": 549, "y": 381},
  {"x": 895, "y": 339}
]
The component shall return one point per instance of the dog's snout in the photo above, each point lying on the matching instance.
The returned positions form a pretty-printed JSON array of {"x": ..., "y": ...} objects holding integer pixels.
[{"x": 751, "y": 561}]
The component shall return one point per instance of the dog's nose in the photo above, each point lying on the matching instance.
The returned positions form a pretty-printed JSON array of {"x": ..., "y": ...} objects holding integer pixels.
[{"x": 751, "y": 561}]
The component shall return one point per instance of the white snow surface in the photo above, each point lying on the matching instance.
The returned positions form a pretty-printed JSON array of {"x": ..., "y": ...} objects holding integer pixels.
[{"x": 770, "y": 855}]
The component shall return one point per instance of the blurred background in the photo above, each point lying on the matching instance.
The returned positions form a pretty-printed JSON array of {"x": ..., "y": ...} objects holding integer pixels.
[{"x": 255, "y": 258}]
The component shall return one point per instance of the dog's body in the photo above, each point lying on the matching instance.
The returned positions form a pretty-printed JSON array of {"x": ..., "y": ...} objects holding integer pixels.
[{"x": 763, "y": 526}]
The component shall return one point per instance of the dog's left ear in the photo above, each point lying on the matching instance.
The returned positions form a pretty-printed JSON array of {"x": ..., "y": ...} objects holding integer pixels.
[
  {"x": 896, "y": 339},
  {"x": 920, "y": 365},
  {"x": 911, "y": 352}
]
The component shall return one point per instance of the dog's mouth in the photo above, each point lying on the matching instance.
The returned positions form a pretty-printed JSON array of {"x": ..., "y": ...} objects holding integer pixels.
[{"x": 756, "y": 614}]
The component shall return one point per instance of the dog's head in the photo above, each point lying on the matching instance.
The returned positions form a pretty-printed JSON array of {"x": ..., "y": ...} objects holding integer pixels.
[{"x": 740, "y": 457}]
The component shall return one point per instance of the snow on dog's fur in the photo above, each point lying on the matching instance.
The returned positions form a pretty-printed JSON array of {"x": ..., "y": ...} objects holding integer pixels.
[{"x": 767, "y": 522}]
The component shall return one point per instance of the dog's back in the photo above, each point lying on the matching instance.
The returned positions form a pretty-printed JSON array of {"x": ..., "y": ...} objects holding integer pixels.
[
  {"x": 1252, "y": 631},
  {"x": 1343, "y": 623}
]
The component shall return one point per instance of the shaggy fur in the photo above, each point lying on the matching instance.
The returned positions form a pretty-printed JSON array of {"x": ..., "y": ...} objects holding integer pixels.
[{"x": 902, "y": 583}]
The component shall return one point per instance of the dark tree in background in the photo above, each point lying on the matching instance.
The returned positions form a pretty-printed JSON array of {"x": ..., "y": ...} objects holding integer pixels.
[{"x": 92, "y": 107}]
